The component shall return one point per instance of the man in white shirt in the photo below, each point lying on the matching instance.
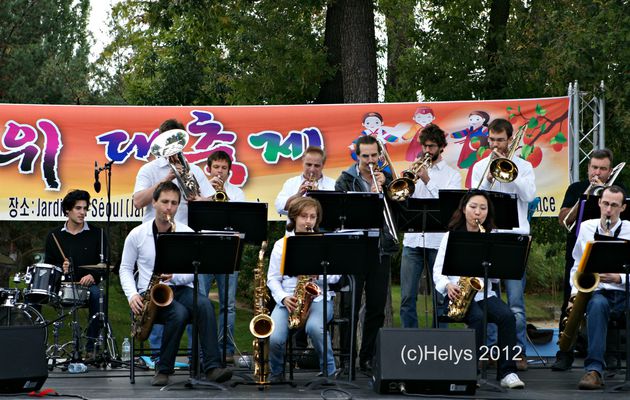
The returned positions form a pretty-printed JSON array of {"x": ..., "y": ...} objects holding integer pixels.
[
  {"x": 608, "y": 299},
  {"x": 500, "y": 139},
  {"x": 220, "y": 164},
  {"x": 158, "y": 170},
  {"x": 421, "y": 248},
  {"x": 312, "y": 178},
  {"x": 140, "y": 250}
]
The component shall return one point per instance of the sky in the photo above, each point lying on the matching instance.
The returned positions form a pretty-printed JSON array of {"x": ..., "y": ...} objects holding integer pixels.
[{"x": 99, "y": 15}]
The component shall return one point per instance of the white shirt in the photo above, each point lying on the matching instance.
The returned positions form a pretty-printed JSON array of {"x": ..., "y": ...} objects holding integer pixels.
[
  {"x": 233, "y": 192},
  {"x": 524, "y": 186},
  {"x": 441, "y": 177},
  {"x": 587, "y": 234},
  {"x": 441, "y": 281},
  {"x": 282, "y": 286},
  {"x": 291, "y": 187},
  {"x": 140, "y": 248},
  {"x": 158, "y": 169}
]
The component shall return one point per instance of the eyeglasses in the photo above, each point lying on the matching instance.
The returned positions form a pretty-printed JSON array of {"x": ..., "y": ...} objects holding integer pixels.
[{"x": 607, "y": 204}]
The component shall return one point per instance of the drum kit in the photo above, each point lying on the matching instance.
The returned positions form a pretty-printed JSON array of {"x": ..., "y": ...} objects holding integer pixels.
[{"x": 44, "y": 285}]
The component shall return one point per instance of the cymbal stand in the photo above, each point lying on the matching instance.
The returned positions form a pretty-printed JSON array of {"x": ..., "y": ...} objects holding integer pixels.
[
  {"x": 104, "y": 352},
  {"x": 57, "y": 351}
]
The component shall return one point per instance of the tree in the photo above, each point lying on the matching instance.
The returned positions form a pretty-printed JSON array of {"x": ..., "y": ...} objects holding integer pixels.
[{"x": 44, "y": 51}]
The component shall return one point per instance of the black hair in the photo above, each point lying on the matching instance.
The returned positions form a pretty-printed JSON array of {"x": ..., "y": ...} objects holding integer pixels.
[
  {"x": 219, "y": 155},
  {"x": 166, "y": 187},
  {"x": 433, "y": 133},
  {"x": 600, "y": 154},
  {"x": 458, "y": 220},
  {"x": 616, "y": 189},
  {"x": 171, "y": 124},
  {"x": 364, "y": 139},
  {"x": 501, "y": 125},
  {"x": 70, "y": 199}
]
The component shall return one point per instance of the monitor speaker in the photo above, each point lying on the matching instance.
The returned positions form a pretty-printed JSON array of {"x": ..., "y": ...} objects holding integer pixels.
[{"x": 23, "y": 367}]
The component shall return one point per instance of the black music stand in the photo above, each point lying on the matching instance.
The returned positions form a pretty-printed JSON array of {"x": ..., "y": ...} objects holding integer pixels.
[
  {"x": 349, "y": 253},
  {"x": 421, "y": 215},
  {"x": 348, "y": 210},
  {"x": 194, "y": 253},
  {"x": 486, "y": 255},
  {"x": 248, "y": 218},
  {"x": 506, "y": 210},
  {"x": 614, "y": 257}
]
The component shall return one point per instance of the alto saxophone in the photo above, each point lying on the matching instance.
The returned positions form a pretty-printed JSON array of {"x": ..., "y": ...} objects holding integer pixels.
[
  {"x": 305, "y": 291},
  {"x": 468, "y": 288},
  {"x": 157, "y": 295},
  {"x": 261, "y": 326}
]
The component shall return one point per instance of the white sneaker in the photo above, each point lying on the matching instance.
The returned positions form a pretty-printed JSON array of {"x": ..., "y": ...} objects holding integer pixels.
[{"x": 512, "y": 381}]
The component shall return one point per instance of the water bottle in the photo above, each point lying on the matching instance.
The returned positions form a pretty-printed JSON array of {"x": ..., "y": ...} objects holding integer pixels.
[
  {"x": 126, "y": 351},
  {"x": 77, "y": 368}
]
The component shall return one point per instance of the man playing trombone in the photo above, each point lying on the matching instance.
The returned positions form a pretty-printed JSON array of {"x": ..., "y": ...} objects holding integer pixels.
[
  {"x": 421, "y": 248},
  {"x": 359, "y": 178},
  {"x": 523, "y": 184}
]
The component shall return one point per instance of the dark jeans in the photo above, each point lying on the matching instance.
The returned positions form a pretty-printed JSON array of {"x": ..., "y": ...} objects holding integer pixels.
[
  {"x": 500, "y": 314},
  {"x": 175, "y": 317},
  {"x": 374, "y": 282},
  {"x": 604, "y": 304}
]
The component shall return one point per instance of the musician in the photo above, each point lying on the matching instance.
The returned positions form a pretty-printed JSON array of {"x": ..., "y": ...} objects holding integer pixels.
[
  {"x": 608, "y": 299},
  {"x": 357, "y": 178},
  {"x": 599, "y": 171},
  {"x": 312, "y": 175},
  {"x": 149, "y": 177},
  {"x": 305, "y": 214},
  {"x": 417, "y": 246},
  {"x": 219, "y": 164},
  {"x": 157, "y": 171},
  {"x": 475, "y": 207},
  {"x": 500, "y": 140},
  {"x": 140, "y": 249},
  {"x": 79, "y": 244}
]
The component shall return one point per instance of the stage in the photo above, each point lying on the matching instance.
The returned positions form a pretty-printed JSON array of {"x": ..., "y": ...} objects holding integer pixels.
[{"x": 540, "y": 381}]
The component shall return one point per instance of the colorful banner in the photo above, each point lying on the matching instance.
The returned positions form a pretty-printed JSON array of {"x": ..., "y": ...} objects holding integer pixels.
[{"x": 48, "y": 150}]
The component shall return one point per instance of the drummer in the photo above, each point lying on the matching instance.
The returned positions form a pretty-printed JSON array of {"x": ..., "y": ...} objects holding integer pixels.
[{"x": 80, "y": 250}]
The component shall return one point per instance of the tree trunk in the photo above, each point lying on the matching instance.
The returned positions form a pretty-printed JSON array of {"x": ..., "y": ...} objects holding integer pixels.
[
  {"x": 497, "y": 28},
  {"x": 358, "y": 52},
  {"x": 331, "y": 91}
]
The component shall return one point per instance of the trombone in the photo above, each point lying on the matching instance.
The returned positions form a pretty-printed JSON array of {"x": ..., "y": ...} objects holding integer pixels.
[
  {"x": 389, "y": 221},
  {"x": 503, "y": 169}
]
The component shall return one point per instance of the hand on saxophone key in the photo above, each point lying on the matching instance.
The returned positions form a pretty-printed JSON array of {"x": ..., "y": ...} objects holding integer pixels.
[
  {"x": 453, "y": 291},
  {"x": 166, "y": 277},
  {"x": 135, "y": 303},
  {"x": 290, "y": 302},
  {"x": 609, "y": 278}
]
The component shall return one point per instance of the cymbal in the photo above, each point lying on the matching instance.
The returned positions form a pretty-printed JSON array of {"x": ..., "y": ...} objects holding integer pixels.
[{"x": 96, "y": 266}]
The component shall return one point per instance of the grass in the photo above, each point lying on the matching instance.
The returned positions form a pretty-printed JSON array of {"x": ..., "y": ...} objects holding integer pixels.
[{"x": 538, "y": 308}]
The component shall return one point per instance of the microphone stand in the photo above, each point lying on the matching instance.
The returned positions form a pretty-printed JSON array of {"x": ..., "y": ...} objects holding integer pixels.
[{"x": 108, "y": 212}]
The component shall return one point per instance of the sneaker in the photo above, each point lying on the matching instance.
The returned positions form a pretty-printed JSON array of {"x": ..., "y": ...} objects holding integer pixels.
[
  {"x": 564, "y": 361},
  {"x": 512, "y": 381},
  {"x": 590, "y": 381},
  {"x": 219, "y": 375},
  {"x": 159, "y": 379}
]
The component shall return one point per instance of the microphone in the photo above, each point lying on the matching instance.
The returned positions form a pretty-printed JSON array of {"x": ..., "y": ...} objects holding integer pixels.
[{"x": 97, "y": 184}]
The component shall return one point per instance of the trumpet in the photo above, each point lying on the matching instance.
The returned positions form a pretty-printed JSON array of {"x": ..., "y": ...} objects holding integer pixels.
[
  {"x": 312, "y": 182},
  {"x": 503, "y": 169},
  {"x": 220, "y": 193}
]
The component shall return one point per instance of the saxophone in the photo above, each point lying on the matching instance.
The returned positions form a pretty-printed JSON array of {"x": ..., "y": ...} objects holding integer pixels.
[
  {"x": 261, "y": 326},
  {"x": 305, "y": 291},
  {"x": 157, "y": 295},
  {"x": 468, "y": 287}
]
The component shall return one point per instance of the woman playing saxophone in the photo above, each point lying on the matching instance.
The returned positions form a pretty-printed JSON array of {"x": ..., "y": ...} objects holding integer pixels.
[
  {"x": 305, "y": 213},
  {"x": 475, "y": 213}
]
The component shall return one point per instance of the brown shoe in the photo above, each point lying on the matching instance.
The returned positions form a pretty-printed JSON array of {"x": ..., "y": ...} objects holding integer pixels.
[
  {"x": 219, "y": 374},
  {"x": 590, "y": 381},
  {"x": 159, "y": 379},
  {"x": 521, "y": 363}
]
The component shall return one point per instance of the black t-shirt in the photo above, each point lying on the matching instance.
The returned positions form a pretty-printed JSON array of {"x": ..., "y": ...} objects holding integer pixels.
[
  {"x": 84, "y": 248},
  {"x": 573, "y": 193}
]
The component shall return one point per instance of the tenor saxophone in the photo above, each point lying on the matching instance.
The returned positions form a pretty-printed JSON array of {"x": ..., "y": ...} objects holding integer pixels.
[{"x": 261, "y": 325}]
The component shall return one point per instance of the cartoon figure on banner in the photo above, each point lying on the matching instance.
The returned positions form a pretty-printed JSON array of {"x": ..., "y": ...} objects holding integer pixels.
[
  {"x": 475, "y": 141},
  {"x": 373, "y": 124},
  {"x": 423, "y": 117}
]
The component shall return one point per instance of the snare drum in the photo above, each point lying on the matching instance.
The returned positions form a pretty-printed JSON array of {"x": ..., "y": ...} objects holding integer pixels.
[
  {"x": 73, "y": 294},
  {"x": 9, "y": 297},
  {"x": 43, "y": 283}
]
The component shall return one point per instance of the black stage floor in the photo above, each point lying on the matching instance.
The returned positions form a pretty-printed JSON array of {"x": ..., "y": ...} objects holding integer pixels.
[{"x": 541, "y": 383}]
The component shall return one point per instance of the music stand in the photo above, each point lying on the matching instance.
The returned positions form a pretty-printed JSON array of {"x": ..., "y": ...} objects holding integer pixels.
[
  {"x": 248, "y": 218},
  {"x": 348, "y": 210},
  {"x": 496, "y": 255},
  {"x": 505, "y": 207},
  {"x": 350, "y": 253},
  {"x": 589, "y": 209},
  {"x": 613, "y": 257},
  {"x": 421, "y": 215},
  {"x": 194, "y": 253}
]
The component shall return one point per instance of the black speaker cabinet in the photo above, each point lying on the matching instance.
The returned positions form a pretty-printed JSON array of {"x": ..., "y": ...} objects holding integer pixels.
[
  {"x": 428, "y": 361},
  {"x": 22, "y": 358}
]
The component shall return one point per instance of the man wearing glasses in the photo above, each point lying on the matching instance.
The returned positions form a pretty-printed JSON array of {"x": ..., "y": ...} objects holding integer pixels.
[{"x": 421, "y": 248}]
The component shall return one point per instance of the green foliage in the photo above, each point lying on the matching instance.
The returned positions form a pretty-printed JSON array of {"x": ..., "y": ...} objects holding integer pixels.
[{"x": 44, "y": 51}]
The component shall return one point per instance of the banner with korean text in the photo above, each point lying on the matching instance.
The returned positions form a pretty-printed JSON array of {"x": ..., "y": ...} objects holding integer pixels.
[{"x": 47, "y": 150}]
